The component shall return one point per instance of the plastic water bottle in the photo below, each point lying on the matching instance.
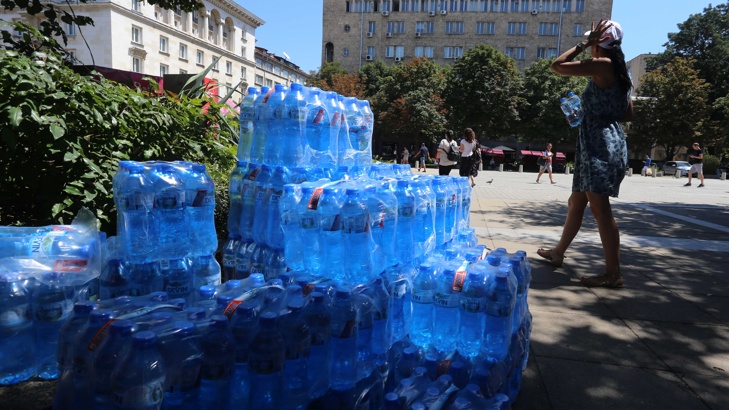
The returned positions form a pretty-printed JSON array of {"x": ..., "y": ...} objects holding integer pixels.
[
  {"x": 200, "y": 211},
  {"x": 274, "y": 191},
  {"x": 294, "y": 124},
  {"x": 445, "y": 314},
  {"x": 343, "y": 353},
  {"x": 439, "y": 188},
  {"x": 471, "y": 315},
  {"x": 259, "y": 258},
  {"x": 520, "y": 307},
  {"x": 229, "y": 256},
  {"x": 177, "y": 277},
  {"x": 275, "y": 140},
  {"x": 267, "y": 355},
  {"x": 293, "y": 247},
  {"x": 205, "y": 271},
  {"x": 52, "y": 304},
  {"x": 248, "y": 196},
  {"x": 384, "y": 224},
  {"x": 247, "y": 118},
  {"x": 183, "y": 356},
  {"x": 79, "y": 381},
  {"x": 235, "y": 197},
  {"x": 357, "y": 130},
  {"x": 145, "y": 278},
  {"x": 275, "y": 263},
  {"x": 330, "y": 234},
  {"x": 318, "y": 317},
  {"x": 16, "y": 332},
  {"x": 114, "y": 280},
  {"x": 113, "y": 350},
  {"x": 331, "y": 103},
  {"x": 298, "y": 348},
  {"x": 424, "y": 284},
  {"x": 309, "y": 222},
  {"x": 68, "y": 333},
  {"x": 262, "y": 113},
  {"x": 572, "y": 108},
  {"x": 368, "y": 122},
  {"x": 243, "y": 327},
  {"x": 139, "y": 381},
  {"x": 365, "y": 308},
  {"x": 169, "y": 212},
  {"x": 380, "y": 343},
  {"x": 260, "y": 208},
  {"x": 500, "y": 301},
  {"x": 345, "y": 152},
  {"x": 424, "y": 235},
  {"x": 318, "y": 131},
  {"x": 135, "y": 203},
  {"x": 356, "y": 235},
  {"x": 405, "y": 221},
  {"x": 218, "y": 362},
  {"x": 452, "y": 204}
]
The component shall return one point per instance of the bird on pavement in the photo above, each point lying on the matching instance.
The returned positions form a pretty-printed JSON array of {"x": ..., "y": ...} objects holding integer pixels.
[{"x": 488, "y": 182}]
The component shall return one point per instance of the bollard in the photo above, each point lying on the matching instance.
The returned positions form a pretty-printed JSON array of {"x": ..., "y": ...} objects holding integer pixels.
[
  {"x": 501, "y": 167},
  {"x": 521, "y": 168},
  {"x": 630, "y": 172},
  {"x": 677, "y": 174},
  {"x": 566, "y": 170},
  {"x": 655, "y": 173},
  {"x": 723, "y": 176}
]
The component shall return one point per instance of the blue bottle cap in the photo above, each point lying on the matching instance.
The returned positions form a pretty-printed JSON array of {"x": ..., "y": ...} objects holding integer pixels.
[
  {"x": 99, "y": 316},
  {"x": 232, "y": 284},
  {"x": 144, "y": 339},
  {"x": 391, "y": 398},
  {"x": 196, "y": 313},
  {"x": 83, "y": 307},
  {"x": 343, "y": 294},
  {"x": 407, "y": 382},
  {"x": 419, "y": 371},
  {"x": 224, "y": 300},
  {"x": 252, "y": 90},
  {"x": 218, "y": 322},
  {"x": 409, "y": 352},
  {"x": 206, "y": 291},
  {"x": 184, "y": 327},
  {"x": 268, "y": 319},
  {"x": 446, "y": 378},
  {"x": 122, "y": 328},
  {"x": 317, "y": 297}
]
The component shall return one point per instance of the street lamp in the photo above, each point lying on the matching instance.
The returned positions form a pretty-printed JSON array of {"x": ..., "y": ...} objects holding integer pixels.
[{"x": 559, "y": 33}]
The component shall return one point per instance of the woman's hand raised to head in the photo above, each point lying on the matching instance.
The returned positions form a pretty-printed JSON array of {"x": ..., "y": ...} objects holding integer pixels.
[{"x": 597, "y": 33}]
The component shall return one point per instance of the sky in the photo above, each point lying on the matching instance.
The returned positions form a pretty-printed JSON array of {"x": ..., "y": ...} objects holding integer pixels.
[{"x": 294, "y": 27}]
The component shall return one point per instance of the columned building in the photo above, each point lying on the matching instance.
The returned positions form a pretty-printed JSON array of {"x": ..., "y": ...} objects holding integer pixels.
[
  {"x": 132, "y": 35},
  {"x": 356, "y": 32}
]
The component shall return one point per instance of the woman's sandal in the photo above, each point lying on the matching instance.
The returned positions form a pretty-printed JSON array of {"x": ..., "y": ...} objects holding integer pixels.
[
  {"x": 603, "y": 280},
  {"x": 551, "y": 256}
]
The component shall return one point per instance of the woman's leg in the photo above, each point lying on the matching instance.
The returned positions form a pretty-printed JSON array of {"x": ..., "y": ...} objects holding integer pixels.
[
  {"x": 541, "y": 171},
  {"x": 550, "y": 175},
  {"x": 575, "y": 212},
  {"x": 608, "y": 229}
]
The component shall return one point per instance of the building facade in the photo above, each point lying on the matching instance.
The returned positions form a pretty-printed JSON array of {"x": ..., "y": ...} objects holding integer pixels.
[
  {"x": 132, "y": 35},
  {"x": 637, "y": 68},
  {"x": 356, "y": 32},
  {"x": 272, "y": 69}
]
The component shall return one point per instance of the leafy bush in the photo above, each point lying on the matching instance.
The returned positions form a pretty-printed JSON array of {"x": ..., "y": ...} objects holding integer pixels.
[
  {"x": 711, "y": 163},
  {"x": 62, "y": 135}
]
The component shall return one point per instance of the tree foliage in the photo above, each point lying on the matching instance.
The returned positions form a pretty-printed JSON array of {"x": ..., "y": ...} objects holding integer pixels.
[
  {"x": 483, "y": 92},
  {"x": 542, "y": 119},
  {"x": 62, "y": 135},
  {"x": 323, "y": 78},
  {"x": 673, "y": 107}
]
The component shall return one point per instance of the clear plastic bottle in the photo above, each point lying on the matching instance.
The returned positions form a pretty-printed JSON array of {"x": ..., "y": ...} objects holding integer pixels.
[
  {"x": 135, "y": 204},
  {"x": 84, "y": 351},
  {"x": 113, "y": 350},
  {"x": 52, "y": 304},
  {"x": 218, "y": 362},
  {"x": 247, "y": 118},
  {"x": 500, "y": 301},
  {"x": 356, "y": 235},
  {"x": 357, "y": 131},
  {"x": 205, "y": 271},
  {"x": 345, "y": 152},
  {"x": 298, "y": 349},
  {"x": 243, "y": 327},
  {"x": 260, "y": 208},
  {"x": 318, "y": 317},
  {"x": 275, "y": 141},
  {"x": 293, "y": 141},
  {"x": 183, "y": 356},
  {"x": 368, "y": 121},
  {"x": 248, "y": 195},
  {"x": 330, "y": 234},
  {"x": 114, "y": 280},
  {"x": 405, "y": 221},
  {"x": 439, "y": 187},
  {"x": 309, "y": 225},
  {"x": 471, "y": 319},
  {"x": 262, "y": 113},
  {"x": 424, "y": 284},
  {"x": 274, "y": 192},
  {"x": 293, "y": 247},
  {"x": 200, "y": 211},
  {"x": 145, "y": 278},
  {"x": 139, "y": 381},
  {"x": 445, "y": 315},
  {"x": 318, "y": 130},
  {"x": 229, "y": 256},
  {"x": 267, "y": 355},
  {"x": 335, "y": 124},
  {"x": 169, "y": 213},
  {"x": 177, "y": 277},
  {"x": 16, "y": 332},
  {"x": 343, "y": 353},
  {"x": 235, "y": 197}
]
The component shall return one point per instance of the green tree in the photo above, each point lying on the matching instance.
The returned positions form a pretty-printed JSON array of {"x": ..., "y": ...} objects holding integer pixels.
[
  {"x": 323, "y": 77},
  {"x": 673, "y": 107},
  {"x": 482, "y": 92},
  {"x": 374, "y": 76},
  {"x": 542, "y": 119},
  {"x": 414, "y": 103}
]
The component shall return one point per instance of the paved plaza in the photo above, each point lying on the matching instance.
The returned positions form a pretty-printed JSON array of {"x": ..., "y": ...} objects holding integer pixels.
[{"x": 662, "y": 342}]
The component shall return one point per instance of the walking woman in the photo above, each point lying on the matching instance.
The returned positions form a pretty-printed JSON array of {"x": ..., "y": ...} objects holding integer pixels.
[
  {"x": 468, "y": 144},
  {"x": 601, "y": 154}
]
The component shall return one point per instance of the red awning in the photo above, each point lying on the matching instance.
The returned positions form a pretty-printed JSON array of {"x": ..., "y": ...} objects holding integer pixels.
[
  {"x": 495, "y": 152},
  {"x": 538, "y": 153},
  {"x": 525, "y": 152},
  {"x": 560, "y": 155}
]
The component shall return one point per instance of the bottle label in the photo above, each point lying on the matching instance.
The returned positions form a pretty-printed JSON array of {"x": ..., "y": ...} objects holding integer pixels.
[
  {"x": 177, "y": 288},
  {"x": 169, "y": 199},
  {"x": 43, "y": 243},
  {"x": 297, "y": 113},
  {"x": 423, "y": 297},
  {"x": 133, "y": 202},
  {"x": 306, "y": 290},
  {"x": 274, "y": 195},
  {"x": 254, "y": 174},
  {"x": 314, "y": 200},
  {"x": 318, "y": 117},
  {"x": 10, "y": 318},
  {"x": 307, "y": 222},
  {"x": 70, "y": 265},
  {"x": 336, "y": 118},
  {"x": 445, "y": 365},
  {"x": 135, "y": 397},
  {"x": 260, "y": 194},
  {"x": 398, "y": 290},
  {"x": 356, "y": 224},
  {"x": 460, "y": 277},
  {"x": 212, "y": 280},
  {"x": 164, "y": 264},
  {"x": 406, "y": 210},
  {"x": 202, "y": 198},
  {"x": 440, "y": 203},
  {"x": 472, "y": 305},
  {"x": 332, "y": 223},
  {"x": 229, "y": 261},
  {"x": 233, "y": 305},
  {"x": 348, "y": 330},
  {"x": 52, "y": 312}
]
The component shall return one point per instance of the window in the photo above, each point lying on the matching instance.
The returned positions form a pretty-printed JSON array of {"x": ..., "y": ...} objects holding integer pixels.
[
  {"x": 136, "y": 64},
  {"x": 268, "y": 66},
  {"x": 520, "y": 53},
  {"x": 578, "y": 31},
  {"x": 452, "y": 52},
  {"x": 259, "y": 63},
  {"x": 228, "y": 68},
  {"x": 269, "y": 83},
  {"x": 136, "y": 35},
  {"x": 345, "y": 51},
  {"x": 243, "y": 51},
  {"x": 242, "y": 72},
  {"x": 396, "y": 27},
  {"x": 429, "y": 52},
  {"x": 277, "y": 70},
  {"x": 200, "y": 58},
  {"x": 494, "y": 6},
  {"x": 163, "y": 41},
  {"x": 390, "y": 51},
  {"x": 400, "y": 51},
  {"x": 425, "y": 27},
  {"x": 480, "y": 27},
  {"x": 183, "y": 71},
  {"x": 511, "y": 29},
  {"x": 490, "y": 28},
  {"x": 555, "y": 6},
  {"x": 567, "y": 6},
  {"x": 541, "y": 52},
  {"x": 522, "y": 29},
  {"x": 183, "y": 52},
  {"x": 419, "y": 52},
  {"x": 553, "y": 29},
  {"x": 163, "y": 69},
  {"x": 546, "y": 8},
  {"x": 371, "y": 27},
  {"x": 580, "y": 6},
  {"x": 474, "y": 5},
  {"x": 371, "y": 51},
  {"x": 195, "y": 17},
  {"x": 454, "y": 27},
  {"x": 509, "y": 52},
  {"x": 514, "y": 6},
  {"x": 504, "y": 6},
  {"x": 525, "y": 6},
  {"x": 552, "y": 52},
  {"x": 71, "y": 29},
  {"x": 259, "y": 79},
  {"x": 285, "y": 73},
  {"x": 215, "y": 63},
  {"x": 543, "y": 29},
  {"x": 405, "y": 6},
  {"x": 136, "y": 6}
]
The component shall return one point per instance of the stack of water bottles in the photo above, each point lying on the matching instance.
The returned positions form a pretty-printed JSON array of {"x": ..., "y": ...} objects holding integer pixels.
[
  {"x": 572, "y": 109},
  {"x": 166, "y": 231},
  {"x": 43, "y": 271}
]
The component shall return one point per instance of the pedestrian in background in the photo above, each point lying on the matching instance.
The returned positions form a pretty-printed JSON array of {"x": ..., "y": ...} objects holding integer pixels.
[
  {"x": 646, "y": 166},
  {"x": 545, "y": 163},
  {"x": 696, "y": 159},
  {"x": 405, "y": 155},
  {"x": 446, "y": 146},
  {"x": 424, "y": 156},
  {"x": 601, "y": 154},
  {"x": 466, "y": 148}
]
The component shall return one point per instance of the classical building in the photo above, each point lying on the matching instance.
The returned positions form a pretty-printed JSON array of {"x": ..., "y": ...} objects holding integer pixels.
[
  {"x": 272, "y": 69},
  {"x": 356, "y": 32},
  {"x": 131, "y": 35}
]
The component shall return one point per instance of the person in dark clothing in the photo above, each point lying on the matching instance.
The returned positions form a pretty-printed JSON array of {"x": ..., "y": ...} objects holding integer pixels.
[
  {"x": 696, "y": 158},
  {"x": 423, "y": 156}
]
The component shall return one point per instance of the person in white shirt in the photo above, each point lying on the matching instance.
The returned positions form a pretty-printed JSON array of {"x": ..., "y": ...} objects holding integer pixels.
[
  {"x": 545, "y": 164},
  {"x": 468, "y": 143},
  {"x": 441, "y": 157}
]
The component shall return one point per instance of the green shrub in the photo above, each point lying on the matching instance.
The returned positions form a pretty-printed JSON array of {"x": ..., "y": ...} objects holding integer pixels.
[
  {"x": 62, "y": 135},
  {"x": 711, "y": 163}
]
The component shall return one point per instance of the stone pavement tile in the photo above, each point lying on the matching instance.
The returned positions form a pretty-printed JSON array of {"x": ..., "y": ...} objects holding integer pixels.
[
  {"x": 572, "y": 298},
  {"x": 687, "y": 348},
  {"x": 715, "y": 305},
  {"x": 580, "y": 385},
  {"x": 658, "y": 304},
  {"x": 533, "y": 394},
  {"x": 589, "y": 338},
  {"x": 30, "y": 395},
  {"x": 713, "y": 390},
  {"x": 683, "y": 282}
]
